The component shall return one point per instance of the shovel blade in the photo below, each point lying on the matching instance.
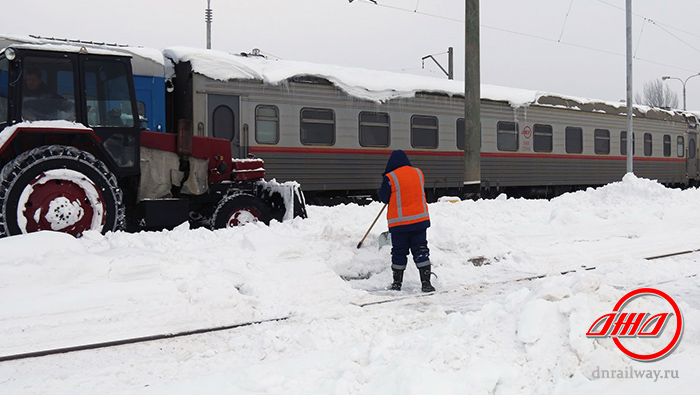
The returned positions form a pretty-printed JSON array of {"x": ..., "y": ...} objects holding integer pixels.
[{"x": 384, "y": 239}]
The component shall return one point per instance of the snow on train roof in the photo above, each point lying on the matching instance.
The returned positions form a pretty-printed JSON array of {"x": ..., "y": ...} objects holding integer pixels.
[
  {"x": 372, "y": 85},
  {"x": 382, "y": 86},
  {"x": 364, "y": 84}
]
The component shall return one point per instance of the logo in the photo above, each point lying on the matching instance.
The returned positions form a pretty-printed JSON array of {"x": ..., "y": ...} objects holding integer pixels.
[
  {"x": 527, "y": 132},
  {"x": 626, "y": 325}
]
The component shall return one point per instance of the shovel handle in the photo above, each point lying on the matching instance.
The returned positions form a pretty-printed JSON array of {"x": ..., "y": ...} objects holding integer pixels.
[{"x": 371, "y": 226}]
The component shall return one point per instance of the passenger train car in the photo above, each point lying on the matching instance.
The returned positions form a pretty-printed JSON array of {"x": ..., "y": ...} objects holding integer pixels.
[{"x": 333, "y": 128}]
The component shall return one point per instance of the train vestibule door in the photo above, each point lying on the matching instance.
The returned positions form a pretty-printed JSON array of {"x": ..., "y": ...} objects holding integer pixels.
[
  {"x": 692, "y": 164},
  {"x": 224, "y": 115}
]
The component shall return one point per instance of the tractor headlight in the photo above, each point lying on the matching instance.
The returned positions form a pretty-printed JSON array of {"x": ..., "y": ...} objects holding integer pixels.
[{"x": 10, "y": 54}]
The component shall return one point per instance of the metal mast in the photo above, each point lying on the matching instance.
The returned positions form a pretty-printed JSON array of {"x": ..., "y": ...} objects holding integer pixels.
[
  {"x": 630, "y": 104},
  {"x": 207, "y": 18}
]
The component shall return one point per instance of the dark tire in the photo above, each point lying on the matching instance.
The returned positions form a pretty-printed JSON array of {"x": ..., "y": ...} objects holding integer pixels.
[
  {"x": 237, "y": 210},
  {"x": 59, "y": 188}
]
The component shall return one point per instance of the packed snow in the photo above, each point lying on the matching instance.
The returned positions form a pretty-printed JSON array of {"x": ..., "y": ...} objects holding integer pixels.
[{"x": 494, "y": 326}]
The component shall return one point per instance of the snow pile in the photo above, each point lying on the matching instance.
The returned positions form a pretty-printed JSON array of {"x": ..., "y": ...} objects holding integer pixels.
[{"x": 486, "y": 332}]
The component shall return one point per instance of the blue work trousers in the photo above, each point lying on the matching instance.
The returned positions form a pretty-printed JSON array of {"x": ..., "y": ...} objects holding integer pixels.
[{"x": 416, "y": 242}]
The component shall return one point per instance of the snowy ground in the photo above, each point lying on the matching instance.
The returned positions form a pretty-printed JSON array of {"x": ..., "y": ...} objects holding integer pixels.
[{"x": 484, "y": 333}]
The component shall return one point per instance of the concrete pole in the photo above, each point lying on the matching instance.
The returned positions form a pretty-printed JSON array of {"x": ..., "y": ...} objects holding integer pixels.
[
  {"x": 472, "y": 99},
  {"x": 630, "y": 104}
]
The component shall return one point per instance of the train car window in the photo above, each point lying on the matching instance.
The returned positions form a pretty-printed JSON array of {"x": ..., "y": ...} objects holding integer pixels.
[
  {"x": 374, "y": 129},
  {"x": 623, "y": 143},
  {"x": 574, "y": 140},
  {"x": 601, "y": 141},
  {"x": 267, "y": 129},
  {"x": 317, "y": 126},
  {"x": 648, "y": 149},
  {"x": 141, "y": 108},
  {"x": 143, "y": 120},
  {"x": 424, "y": 131},
  {"x": 507, "y": 136},
  {"x": 680, "y": 146},
  {"x": 691, "y": 148},
  {"x": 542, "y": 138},
  {"x": 224, "y": 123},
  {"x": 460, "y": 134},
  {"x": 667, "y": 145}
]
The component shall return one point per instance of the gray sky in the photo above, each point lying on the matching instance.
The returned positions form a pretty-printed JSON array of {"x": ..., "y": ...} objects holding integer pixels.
[{"x": 530, "y": 44}]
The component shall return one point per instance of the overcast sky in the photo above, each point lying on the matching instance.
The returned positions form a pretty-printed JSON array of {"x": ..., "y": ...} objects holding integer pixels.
[{"x": 530, "y": 44}]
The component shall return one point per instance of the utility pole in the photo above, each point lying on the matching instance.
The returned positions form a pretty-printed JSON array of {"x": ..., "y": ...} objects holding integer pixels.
[
  {"x": 207, "y": 18},
  {"x": 630, "y": 104},
  {"x": 472, "y": 98}
]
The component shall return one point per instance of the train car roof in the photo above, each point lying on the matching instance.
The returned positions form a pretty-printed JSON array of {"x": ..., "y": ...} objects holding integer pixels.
[
  {"x": 382, "y": 86},
  {"x": 144, "y": 61}
]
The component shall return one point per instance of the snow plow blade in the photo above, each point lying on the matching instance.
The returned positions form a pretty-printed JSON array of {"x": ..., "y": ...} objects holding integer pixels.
[{"x": 286, "y": 200}]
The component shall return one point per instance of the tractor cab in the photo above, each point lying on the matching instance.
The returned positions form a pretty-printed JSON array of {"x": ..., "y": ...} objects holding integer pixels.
[
  {"x": 91, "y": 89},
  {"x": 73, "y": 156}
]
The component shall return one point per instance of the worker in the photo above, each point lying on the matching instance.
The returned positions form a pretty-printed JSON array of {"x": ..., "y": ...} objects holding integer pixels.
[{"x": 403, "y": 190}]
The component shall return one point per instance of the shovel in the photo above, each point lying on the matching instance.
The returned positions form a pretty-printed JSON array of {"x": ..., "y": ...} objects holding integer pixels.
[
  {"x": 371, "y": 226},
  {"x": 384, "y": 239}
]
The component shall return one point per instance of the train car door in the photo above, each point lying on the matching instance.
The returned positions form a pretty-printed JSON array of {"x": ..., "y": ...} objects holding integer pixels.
[
  {"x": 224, "y": 115},
  {"x": 692, "y": 165}
]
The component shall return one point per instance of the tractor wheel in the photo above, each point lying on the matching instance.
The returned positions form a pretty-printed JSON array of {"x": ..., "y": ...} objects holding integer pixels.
[
  {"x": 59, "y": 188},
  {"x": 237, "y": 210}
]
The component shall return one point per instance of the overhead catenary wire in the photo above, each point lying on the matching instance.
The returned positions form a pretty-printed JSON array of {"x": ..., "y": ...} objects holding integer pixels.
[
  {"x": 674, "y": 36},
  {"x": 566, "y": 18},
  {"x": 665, "y": 27},
  {"x": 676, "y": 67},
  {"x": 656, "y": 22},
  {"x": 639, "y": 39}
]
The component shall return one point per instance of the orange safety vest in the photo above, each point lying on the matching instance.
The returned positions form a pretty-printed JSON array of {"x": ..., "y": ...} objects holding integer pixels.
[{"x": 407, "y": 204}]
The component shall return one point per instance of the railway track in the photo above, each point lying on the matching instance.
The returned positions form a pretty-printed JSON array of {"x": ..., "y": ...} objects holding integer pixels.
[
  {"x": 388, "y": 298},
  {"x": 164, "y": 336},
  {"x": 134, "y": 340}
]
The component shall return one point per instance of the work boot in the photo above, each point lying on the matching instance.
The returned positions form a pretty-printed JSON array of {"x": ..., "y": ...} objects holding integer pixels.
[
  {"x": 398, "y": 279},
  {"x": 425, "y": 279}
]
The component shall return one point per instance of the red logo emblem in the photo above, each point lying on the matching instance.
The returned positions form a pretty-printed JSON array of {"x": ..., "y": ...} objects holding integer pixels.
[
  {"x": 527, "y": 132},
  {"x": 640, "y": 325}
]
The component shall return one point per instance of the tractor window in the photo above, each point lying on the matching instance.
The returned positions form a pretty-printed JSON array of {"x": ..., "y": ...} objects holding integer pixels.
[
  {"x": 107, "y": 94},
  {"x": 4, "y": 67},
  {"x": 48, "y": 89}
]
